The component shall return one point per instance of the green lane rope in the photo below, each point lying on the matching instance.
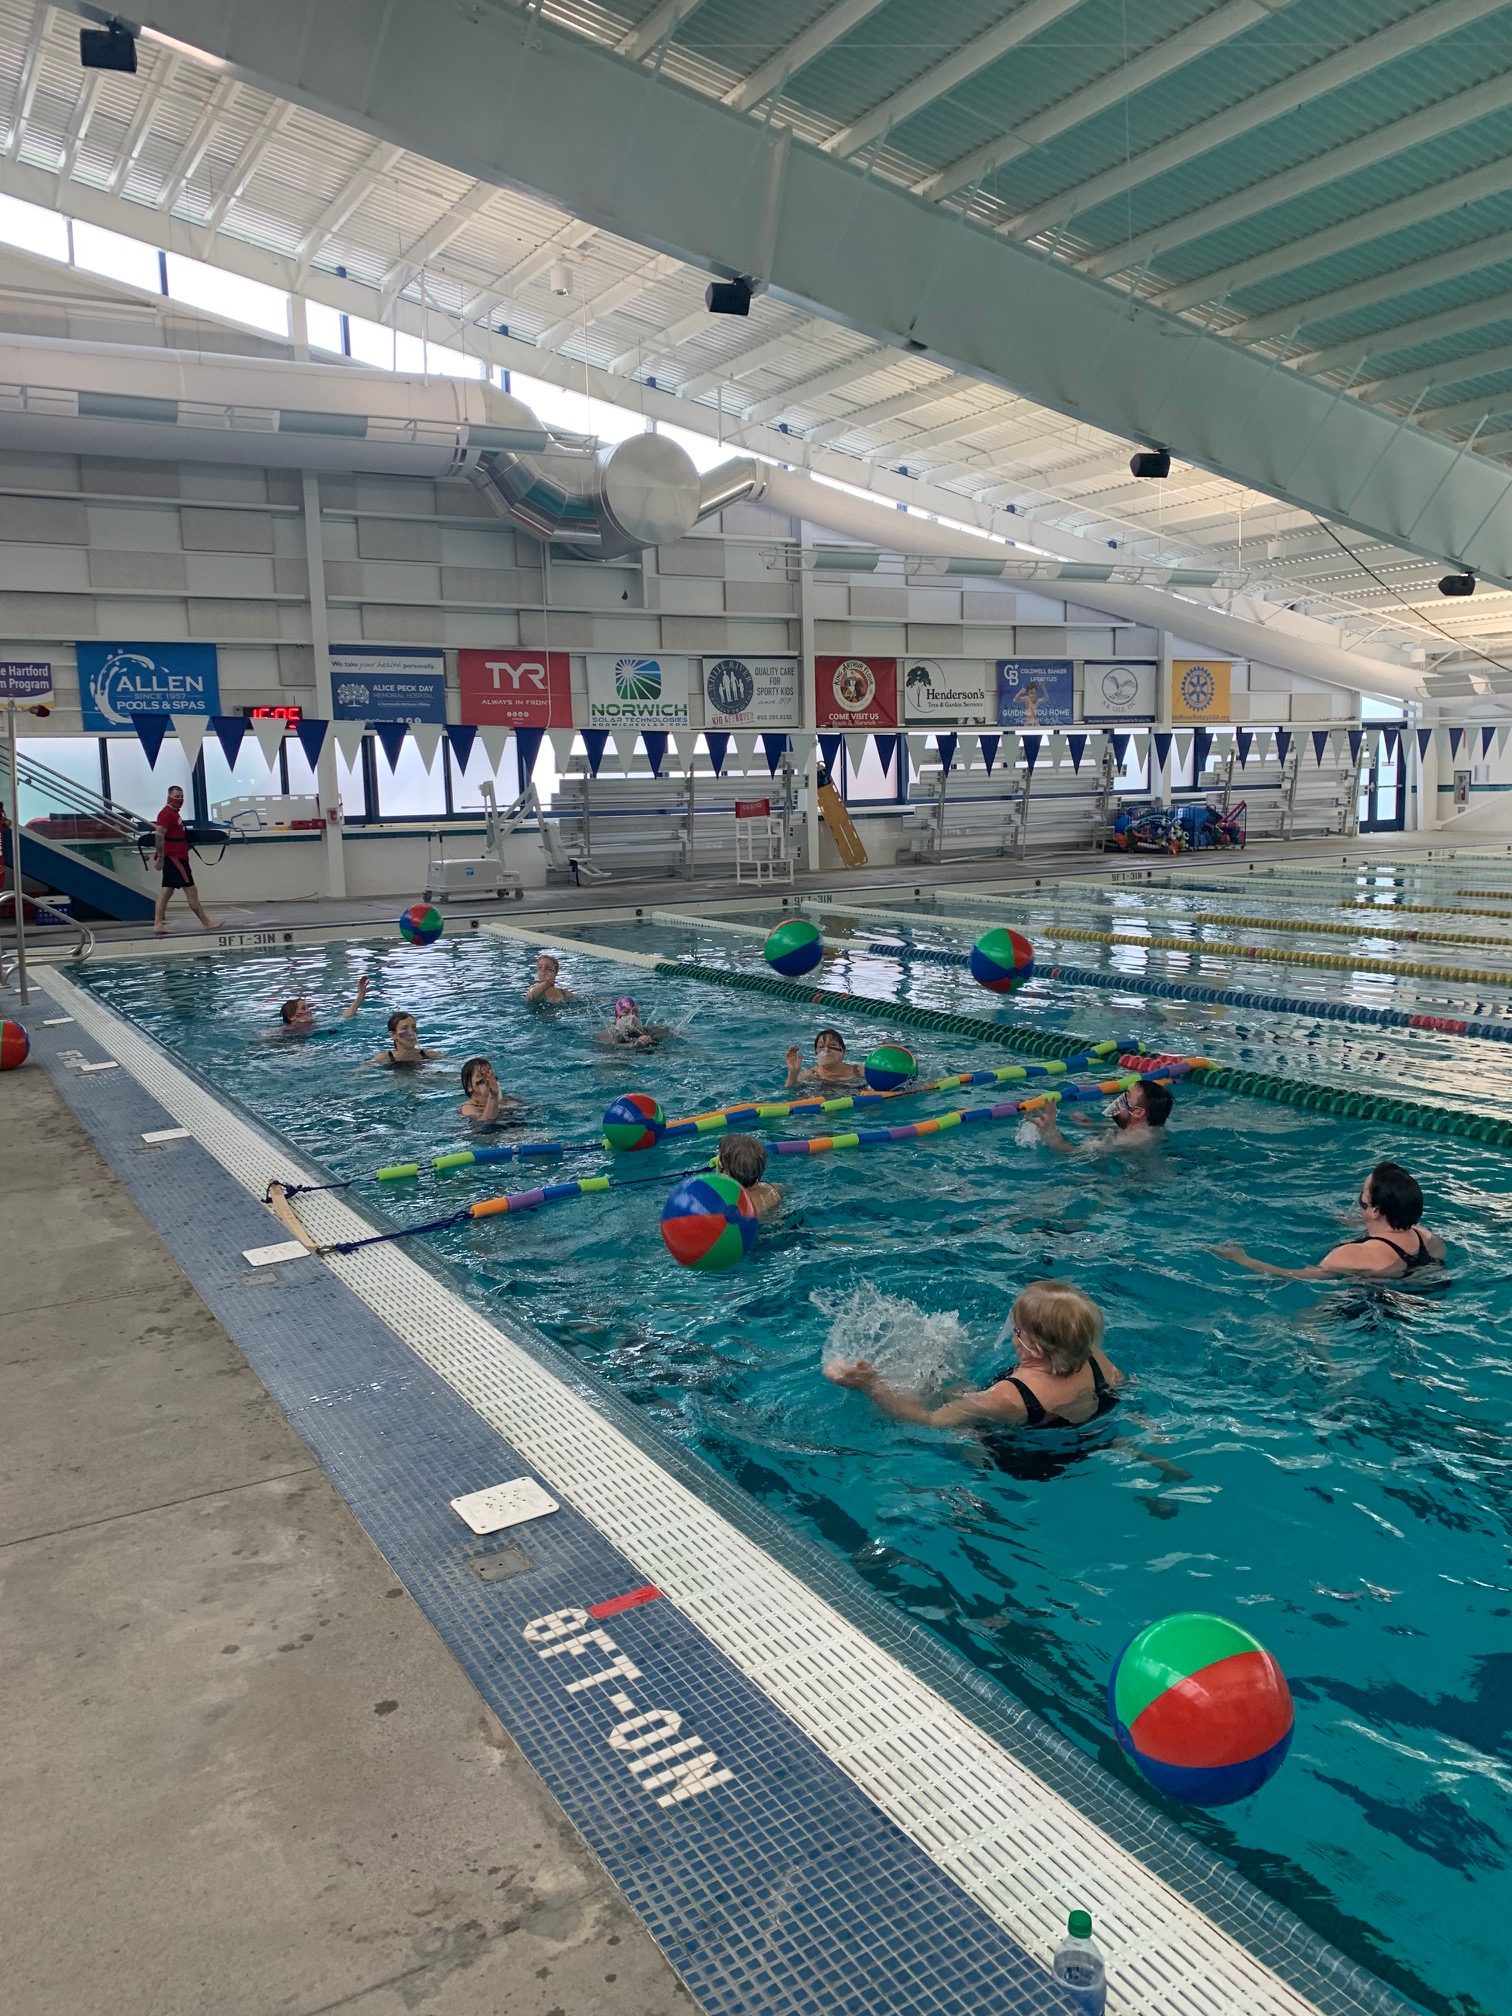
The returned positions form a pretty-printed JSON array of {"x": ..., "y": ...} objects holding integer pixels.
[{"x": 1378, "y": 1106}]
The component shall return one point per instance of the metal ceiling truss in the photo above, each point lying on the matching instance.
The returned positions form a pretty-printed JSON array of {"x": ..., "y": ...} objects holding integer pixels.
[{"x": 675, "y": 171}]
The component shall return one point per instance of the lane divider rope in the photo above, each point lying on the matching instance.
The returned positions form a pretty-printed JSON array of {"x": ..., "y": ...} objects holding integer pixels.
[{"x": 1374, "y": 1106}]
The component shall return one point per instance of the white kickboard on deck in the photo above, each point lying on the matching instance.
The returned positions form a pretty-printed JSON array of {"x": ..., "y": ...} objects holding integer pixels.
[{"x": 504, "y": 1505}]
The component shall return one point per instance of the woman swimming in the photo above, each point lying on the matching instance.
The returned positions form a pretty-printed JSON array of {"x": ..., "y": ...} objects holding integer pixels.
[{"x": 1060, "y": 1377}]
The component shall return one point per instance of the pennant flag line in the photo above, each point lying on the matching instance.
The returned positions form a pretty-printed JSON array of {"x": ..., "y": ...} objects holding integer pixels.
[
  {"x": 190, "y": 730},
  {"x": 150, "y": 728},
  {"x": 312, "y": 739}
]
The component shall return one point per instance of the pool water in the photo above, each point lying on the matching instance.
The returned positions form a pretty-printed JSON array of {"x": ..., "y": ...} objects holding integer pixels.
[{"x": 1327, "y": 1466}]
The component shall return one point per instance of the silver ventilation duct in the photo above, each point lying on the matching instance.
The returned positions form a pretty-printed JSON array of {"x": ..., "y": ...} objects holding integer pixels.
[{"x": 116, "y": 399}]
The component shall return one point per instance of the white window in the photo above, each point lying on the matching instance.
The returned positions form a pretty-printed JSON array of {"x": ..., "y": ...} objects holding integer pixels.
[
  {"x": 246, "y": 301},
  {"x": 143, "y": 787},
  {"x": 409, "y": 790},
  {"x": 33, "y": 229},
  {"x": 324, "y": 327},
  {"x": 73, "y": 759},
  {"x": 118, "y": 258},
  {"x": 466, "y": 796},
  {"x": 251, "y": 778}
]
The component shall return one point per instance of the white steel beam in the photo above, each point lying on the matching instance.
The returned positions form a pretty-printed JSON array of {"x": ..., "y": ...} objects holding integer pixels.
[
  {"x": 1465, "y": 412},
  {"x": 1366, "y": 152},
  {"x": 836, "y": 21},
  {"x": 1120, "y": 83},
  {"x": 1362, "y": 229},
  {"x": 1026, "y": 20},
  {"x": 851, "y": 372},
  {"x": 151, "y": 90},
  {"x": 26, "y": 87},
  {"x": 917, "y": 400},
  {"x": 380, "y": 161},
  {"x": 608, "y": 301},
  {"x": 1406, "y": 385},
  {"x": 194, "y": 148},
  {"x": 245, "y": 166},
  {"x": 449, "y": 225},
  {"x": 768, "y": 351},
  {"x": 664, "y": 343},
  {"x": 1390, "y": 286},
  {"x": 661, "y": 22},
  {"x": 1345, "y": 67},
  {"x": 78, "y": 126},
  {"x": 482, "y": 90},
  {"x": 1405, "y": 336}
]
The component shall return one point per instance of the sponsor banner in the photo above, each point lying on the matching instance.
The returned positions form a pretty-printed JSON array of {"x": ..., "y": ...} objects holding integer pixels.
[
  {"x": 750, "y": 692},
  {"x": 515, "y": 689},
  {"x": 1118, "y": 689},
  {"x": 946, "y": 689},
  {"x": 1036, "y": 692},
  {"x": 1200, "y": 689},
  {"x": 371, "y": 683},
  {"x": 119, "y": 681},
  {"x": 637, "y": 692},
  {"x": 856, "y": 692},
  {"x": 26, "y": 679}
]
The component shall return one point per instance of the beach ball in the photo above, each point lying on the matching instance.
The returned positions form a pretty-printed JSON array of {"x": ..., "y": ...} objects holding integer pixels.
[
  {"x": 890, "y": 1066},
  {"x": 15, "y": 1046},
  {"x": 794, "y": 948},
  {"x": 421, "y": 924},
  {"x": 708, "y": 1222},
  {"x": 1001, "y": 960},
  {"x": 633, "y": 1121},
  {"x": 1202, "y": 1708}
]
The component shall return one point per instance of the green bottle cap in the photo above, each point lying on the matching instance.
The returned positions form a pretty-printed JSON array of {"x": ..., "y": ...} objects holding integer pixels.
[{"x": 1079, "y": 1924}]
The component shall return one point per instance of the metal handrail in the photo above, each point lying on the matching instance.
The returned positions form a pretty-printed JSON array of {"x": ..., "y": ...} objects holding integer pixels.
[{"x": 74, "y": 797}]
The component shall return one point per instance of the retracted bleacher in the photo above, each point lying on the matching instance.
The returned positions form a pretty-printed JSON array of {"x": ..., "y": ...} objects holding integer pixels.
[
  {"x": 971, "y": 813},
  {"x": 678, "y": 823}
]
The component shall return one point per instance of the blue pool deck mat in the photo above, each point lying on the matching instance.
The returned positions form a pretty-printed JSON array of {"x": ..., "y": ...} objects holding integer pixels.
[{"x": 802, "y": 1824}]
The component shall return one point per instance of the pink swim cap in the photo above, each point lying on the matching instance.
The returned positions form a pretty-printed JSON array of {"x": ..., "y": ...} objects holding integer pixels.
[{"x": 625, "y": 1006}]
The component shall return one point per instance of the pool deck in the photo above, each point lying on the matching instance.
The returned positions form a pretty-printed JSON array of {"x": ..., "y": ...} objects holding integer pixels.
[{"x": 205, "y": 1653}]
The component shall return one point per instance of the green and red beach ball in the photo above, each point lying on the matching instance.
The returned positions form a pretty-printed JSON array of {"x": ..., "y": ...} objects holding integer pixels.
[{"x": 1202, "y": 1708}]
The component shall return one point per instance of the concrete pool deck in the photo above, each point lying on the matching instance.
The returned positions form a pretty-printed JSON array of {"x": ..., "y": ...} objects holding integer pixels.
[{"x": 243, "y": 1774}]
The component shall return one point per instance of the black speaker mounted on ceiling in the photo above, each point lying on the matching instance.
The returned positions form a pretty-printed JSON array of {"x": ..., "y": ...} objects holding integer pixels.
[
  {"x": 1157, "y": 462},
  {"x": 728, "y": 297},
  {"x": 112, "y": 47},
  {"x": 1457, "y": 584}
]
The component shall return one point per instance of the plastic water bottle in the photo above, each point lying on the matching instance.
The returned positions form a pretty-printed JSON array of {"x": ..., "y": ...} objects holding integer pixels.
[{"x": 1078, "y": 1966}]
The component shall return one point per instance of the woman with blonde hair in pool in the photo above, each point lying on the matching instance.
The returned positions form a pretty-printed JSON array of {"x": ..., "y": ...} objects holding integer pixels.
[{"x": 1060, "y": 1377}]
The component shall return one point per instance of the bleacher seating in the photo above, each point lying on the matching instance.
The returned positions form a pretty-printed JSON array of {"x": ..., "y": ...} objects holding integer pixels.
[{"x": 674, "y": 824}]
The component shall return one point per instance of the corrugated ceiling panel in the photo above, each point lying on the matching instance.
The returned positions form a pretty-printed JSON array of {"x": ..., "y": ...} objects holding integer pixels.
[
  {"x": 742, "y": 36},
  {"x": 1398, "y": 253},
  {"x": 897, "y": 44},
  {"x": 1370, "y": 325}
]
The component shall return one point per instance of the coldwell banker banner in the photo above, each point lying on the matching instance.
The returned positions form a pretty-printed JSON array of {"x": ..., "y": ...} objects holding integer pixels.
[
  {"x": 856, "y": 692},
  {"x": 946, "y": 689},
  {"x": 119, "y": 681},
  {"x": 1036, "y": 692},
  {"x": 1118, "y": 689},
  {"x": 515, "y": 689},
  {"x": 372, "y": 684},
  {"x": 750, "y": 692},
  {"x": 637, "y": 692}
]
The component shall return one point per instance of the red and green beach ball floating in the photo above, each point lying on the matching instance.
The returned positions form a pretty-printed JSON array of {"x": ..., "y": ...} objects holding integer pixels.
[
  {"x": 1002, "y": 960},
  {"x": 421, "y": 924},
  {"x": 633, "y": 1121},
  {"x": 793, "y": 948},
  {"x": 1202, "y": 1708}
]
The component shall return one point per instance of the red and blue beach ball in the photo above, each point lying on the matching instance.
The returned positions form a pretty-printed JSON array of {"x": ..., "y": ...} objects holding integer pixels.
[
  {"x": 633, "y": 1121},
  {"x": 794, "y": 948},
  {"x": 708, "y": 1222},
  {"x": 1001, "y": 960},
  {"x": 1202, "y": 1708},
  {"x": 421, "y": 924},
  {"x": 15, "y": 1046}
]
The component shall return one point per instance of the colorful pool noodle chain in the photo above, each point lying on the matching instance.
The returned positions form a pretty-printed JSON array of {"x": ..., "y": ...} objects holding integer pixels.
[
  {"x": 1411, "y": 1113},
  {"x": 1139, "y": 1069},
  {"x": 1229, "y": 997},
  {"x": 759, "y": 1113}
]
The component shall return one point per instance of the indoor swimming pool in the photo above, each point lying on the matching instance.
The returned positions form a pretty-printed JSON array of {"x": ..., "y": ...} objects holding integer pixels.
[{"x": 1325, "y": 1464}]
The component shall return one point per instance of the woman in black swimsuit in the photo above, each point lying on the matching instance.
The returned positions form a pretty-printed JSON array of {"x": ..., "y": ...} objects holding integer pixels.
[
  {"x": 1394, "y": 1243},
  {"x": 404, "y": 1052},
  {"x": 1060, "y": 1378}
]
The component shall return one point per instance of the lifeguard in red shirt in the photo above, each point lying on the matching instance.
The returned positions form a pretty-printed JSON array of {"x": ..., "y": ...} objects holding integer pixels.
[{"x": 171, "y": 854}]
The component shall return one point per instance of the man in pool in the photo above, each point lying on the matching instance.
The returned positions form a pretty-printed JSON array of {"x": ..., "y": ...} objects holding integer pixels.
[
  {"x": 830, "y": 1068},
  {"x": 1060, "y": 1378},
  {"x": 297, "y": 1015},
  {"x": 1393, "y": 1246},
  {"x": 404, "y": 1052},
  {"x": 1136, "y": 1118},
  {"x": 485, "y": 1105},
  {"x": 170, "y": 853},
  {"x": 742, "y": 1157},
  {"x": 544, "y": 988}
]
